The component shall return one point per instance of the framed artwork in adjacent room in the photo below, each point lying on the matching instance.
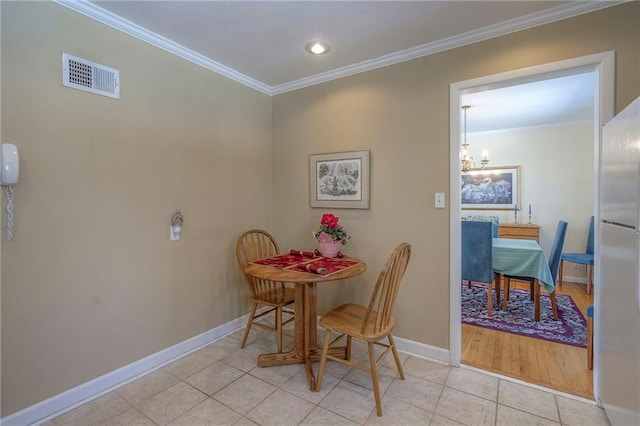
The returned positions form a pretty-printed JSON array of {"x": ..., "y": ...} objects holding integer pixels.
[{"x": 491, "y": 188}]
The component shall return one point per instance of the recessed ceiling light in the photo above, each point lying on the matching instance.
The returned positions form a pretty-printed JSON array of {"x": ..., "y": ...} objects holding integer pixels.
[{"x": 317, "y": 47}]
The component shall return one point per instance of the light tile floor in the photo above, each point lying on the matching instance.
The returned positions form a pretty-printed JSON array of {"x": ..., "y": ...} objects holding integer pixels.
[{"x": 221, "y": 384}]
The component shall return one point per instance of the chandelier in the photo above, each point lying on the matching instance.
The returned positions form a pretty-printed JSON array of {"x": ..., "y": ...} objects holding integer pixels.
[{"x": 468, "y": 163}]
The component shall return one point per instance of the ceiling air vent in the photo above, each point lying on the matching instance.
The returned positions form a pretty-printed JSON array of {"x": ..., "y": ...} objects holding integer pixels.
[{"x": 82, "y": 74}]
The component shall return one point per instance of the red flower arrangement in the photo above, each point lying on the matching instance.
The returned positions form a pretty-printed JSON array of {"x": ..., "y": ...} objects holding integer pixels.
[{"x": 330, "y": 225}]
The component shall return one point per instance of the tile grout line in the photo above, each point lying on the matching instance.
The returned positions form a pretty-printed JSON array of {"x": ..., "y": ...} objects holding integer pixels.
[{"x": 343, "y": 379}]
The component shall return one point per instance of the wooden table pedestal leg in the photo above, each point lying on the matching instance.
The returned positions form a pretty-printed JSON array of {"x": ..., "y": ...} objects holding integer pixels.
[
  {"x": 310, "y": 335},
  {"x": 296, "y": 355},
  {"x": 305, "y": 342}
]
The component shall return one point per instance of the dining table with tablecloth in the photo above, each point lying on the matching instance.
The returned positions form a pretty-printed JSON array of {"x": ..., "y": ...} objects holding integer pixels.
[{"x": 523, "y": 258}]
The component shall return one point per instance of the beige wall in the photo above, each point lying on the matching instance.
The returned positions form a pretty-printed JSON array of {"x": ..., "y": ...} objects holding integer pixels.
[
  {"x": 91, "y": 282},
  {"x": 556, "y": 174},
  {"x": 400, "y": 113}
]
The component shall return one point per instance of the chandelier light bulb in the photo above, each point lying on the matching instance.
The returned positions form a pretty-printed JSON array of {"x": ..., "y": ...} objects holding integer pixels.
[{"x": 467, "y": 162}]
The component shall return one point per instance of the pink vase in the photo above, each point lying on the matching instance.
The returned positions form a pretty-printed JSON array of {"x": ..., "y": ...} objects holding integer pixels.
[{"x": 328, "y": 246}]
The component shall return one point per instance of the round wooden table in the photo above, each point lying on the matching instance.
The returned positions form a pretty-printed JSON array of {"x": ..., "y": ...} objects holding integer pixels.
[{"x": 305, "y": 344}]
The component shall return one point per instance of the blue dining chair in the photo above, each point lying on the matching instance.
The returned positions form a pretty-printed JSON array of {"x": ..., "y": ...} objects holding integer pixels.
[
  {"x": 477, "y": 258},
  {"x": 495, "y": 224},
  {"x": 554, "y": 262},
  {"x": 495, "y": 220},
  {"x": 585, "y": 258}
]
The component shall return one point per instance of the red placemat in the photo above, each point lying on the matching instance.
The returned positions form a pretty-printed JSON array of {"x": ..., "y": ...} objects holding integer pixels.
[
  {"x": 331, "y": 265},
  {"x": 283, "y": 261},
  {"x": 298, "y": 263}
]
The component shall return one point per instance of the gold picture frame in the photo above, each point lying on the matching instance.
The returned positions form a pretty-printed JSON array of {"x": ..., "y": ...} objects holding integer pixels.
[{"x": 492, "y": 188}]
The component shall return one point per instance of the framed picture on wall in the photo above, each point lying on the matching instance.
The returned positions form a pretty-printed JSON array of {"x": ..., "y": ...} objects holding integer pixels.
[
  {"x": 492, "y": 188},
  {"x": 339, "y": 180}
]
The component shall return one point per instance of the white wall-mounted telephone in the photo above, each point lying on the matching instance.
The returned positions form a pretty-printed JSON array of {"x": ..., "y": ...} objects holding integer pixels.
[
  {"x": 10, "y": 164},
  {"x": 9, "y": 174}
]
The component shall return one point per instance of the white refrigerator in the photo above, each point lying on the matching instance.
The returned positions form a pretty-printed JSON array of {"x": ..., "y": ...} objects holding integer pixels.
[{"x": 618, "y": 307}]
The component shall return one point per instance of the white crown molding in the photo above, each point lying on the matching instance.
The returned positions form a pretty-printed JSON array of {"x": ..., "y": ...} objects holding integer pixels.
[
  {"x": 518, "y": 24},
  {"x": 114, "y": 21},
  {"x": 558, "y": 13}
]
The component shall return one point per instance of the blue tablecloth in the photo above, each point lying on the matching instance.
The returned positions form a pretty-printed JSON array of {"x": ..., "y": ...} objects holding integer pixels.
[{"x": 523, "y": 258}]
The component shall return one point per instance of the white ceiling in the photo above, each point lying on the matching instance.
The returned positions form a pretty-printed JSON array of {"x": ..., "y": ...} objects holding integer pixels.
[
  {"x": 552, "y": 100},
  {"x": 261, "y": 43}
]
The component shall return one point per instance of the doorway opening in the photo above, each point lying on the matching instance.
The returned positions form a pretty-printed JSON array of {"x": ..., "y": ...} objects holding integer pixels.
[{"x": 601, "y": 68}]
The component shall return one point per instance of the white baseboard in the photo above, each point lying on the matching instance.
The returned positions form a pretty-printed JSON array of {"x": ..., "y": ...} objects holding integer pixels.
[
  {"x": 75, "y": 397},
  {"x": 86, "y": 392},
  {"x": 570, "y": 279},
  {"x": 422, "y": 350}
]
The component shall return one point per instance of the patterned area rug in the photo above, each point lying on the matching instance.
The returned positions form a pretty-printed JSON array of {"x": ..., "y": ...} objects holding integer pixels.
[{"x": 570, "y": 329}]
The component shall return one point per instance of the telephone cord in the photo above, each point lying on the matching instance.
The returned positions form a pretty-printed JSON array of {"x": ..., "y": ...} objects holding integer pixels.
[{"x": 9, "y": 191}]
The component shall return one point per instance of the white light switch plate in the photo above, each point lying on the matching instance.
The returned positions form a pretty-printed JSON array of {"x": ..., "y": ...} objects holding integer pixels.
[{"x": 439, "y": 200}]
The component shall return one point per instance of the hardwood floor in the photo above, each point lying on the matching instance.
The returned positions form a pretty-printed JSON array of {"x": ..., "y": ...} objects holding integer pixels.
[{"x": 553, "y": 365}]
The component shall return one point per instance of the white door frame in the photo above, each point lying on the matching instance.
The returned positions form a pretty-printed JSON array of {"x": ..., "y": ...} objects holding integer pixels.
[{"x": 603, "y": 64}]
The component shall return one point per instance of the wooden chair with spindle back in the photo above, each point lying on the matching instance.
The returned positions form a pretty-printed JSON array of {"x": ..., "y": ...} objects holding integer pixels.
[
  {"x": 368, "y": 324},
  {"x": 259, "y": 244}
]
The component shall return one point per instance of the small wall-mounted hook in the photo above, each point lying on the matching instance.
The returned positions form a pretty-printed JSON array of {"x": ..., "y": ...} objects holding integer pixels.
[{"x": 177, "y": 218}]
